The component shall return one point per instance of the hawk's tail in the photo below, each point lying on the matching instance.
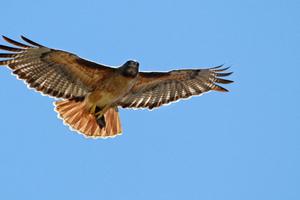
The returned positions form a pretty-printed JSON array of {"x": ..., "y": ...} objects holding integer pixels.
[{"x": 76, "y": 115}]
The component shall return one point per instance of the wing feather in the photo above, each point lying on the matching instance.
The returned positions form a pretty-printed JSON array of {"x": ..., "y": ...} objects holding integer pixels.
[
  {"x": 53, "y": 72},
  {"x": 12, "y": 49},
  {"x": 13, "y": 42},
  {"x": 31, "y": 42},
  {"x": 154, "y": 89}
]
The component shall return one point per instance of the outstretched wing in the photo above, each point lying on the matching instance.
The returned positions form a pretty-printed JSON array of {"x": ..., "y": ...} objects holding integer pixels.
[
  {"x": 154, "y": 89},
  {"x": 53, "y": 72}
]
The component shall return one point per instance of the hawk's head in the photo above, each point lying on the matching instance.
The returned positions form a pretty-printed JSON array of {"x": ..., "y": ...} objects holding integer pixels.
[{"x": 130, "y": 68}]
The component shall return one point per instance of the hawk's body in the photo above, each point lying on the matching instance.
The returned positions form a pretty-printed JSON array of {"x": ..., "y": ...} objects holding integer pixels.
[
  {"x": 111, "y": 89},
  {"x": 91, "y": 92}
]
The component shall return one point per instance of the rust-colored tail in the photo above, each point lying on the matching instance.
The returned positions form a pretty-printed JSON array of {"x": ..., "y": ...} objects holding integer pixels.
[{"x": 76, "y": 115}]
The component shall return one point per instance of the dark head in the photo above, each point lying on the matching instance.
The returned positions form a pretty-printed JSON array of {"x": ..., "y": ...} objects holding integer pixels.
[{"x": 130, "y": 68}]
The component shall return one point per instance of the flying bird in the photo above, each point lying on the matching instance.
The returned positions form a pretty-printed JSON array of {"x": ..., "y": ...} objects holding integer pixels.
[{"x": 88, "y": 94}]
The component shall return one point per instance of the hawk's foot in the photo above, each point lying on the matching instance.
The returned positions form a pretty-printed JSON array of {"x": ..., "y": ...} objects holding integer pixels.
[
  {"x": 100, "y": 117},
  {"x": 101, "y": 121}
]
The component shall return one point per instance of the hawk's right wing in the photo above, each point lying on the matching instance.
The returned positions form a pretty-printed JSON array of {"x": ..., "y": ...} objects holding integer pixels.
[{"x": 53, "y": 72}]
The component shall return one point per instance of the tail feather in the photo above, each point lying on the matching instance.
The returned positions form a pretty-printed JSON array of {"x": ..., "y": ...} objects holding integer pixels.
[{"x": 76, "y": 115}]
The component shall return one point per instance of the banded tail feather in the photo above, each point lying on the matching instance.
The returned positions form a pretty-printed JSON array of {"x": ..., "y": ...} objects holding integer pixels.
[{"x": 76, "y": 115}]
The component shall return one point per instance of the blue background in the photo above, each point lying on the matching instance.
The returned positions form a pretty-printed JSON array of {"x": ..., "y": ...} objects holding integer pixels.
[{"x": 239, "y": 145}]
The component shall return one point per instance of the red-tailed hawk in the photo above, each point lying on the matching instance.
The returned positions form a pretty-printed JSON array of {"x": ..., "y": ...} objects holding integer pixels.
[{"x": 91, "y": 93}]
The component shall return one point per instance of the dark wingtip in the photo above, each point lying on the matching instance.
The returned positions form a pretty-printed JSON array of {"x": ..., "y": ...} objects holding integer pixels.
[
  {"x": 220, "y": 89},
  {"x": 224, "y": 74},
  {"x": 4, "y": 37},
  {"x": 217, "y": 67},
  {"x": 12, "y": 49},
  {"x": 223, "y": 81},
  {"x": 31, "y": 42},
  {"x": 11, "y": 41},
  {"x": 221, "y": 70}
]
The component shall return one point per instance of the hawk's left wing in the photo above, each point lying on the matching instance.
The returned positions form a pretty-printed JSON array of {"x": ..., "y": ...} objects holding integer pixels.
[{"x": 154, "y": 89}]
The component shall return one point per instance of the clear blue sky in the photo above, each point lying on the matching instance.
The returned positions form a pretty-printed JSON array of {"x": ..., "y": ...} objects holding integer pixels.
[{"x": 240, "y": 145}]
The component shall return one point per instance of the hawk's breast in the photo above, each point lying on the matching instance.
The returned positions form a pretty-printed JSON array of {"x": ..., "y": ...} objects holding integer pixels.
[{"x": 111, "y": 90}]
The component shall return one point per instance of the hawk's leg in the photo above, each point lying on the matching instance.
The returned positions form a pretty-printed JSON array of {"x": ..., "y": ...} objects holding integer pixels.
[
  {"x": 101, "y": 122},
  {"x": 93, "y": 109},
  {"x": 100, "y": 111},
  {"x": 100, "y": 117}
]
